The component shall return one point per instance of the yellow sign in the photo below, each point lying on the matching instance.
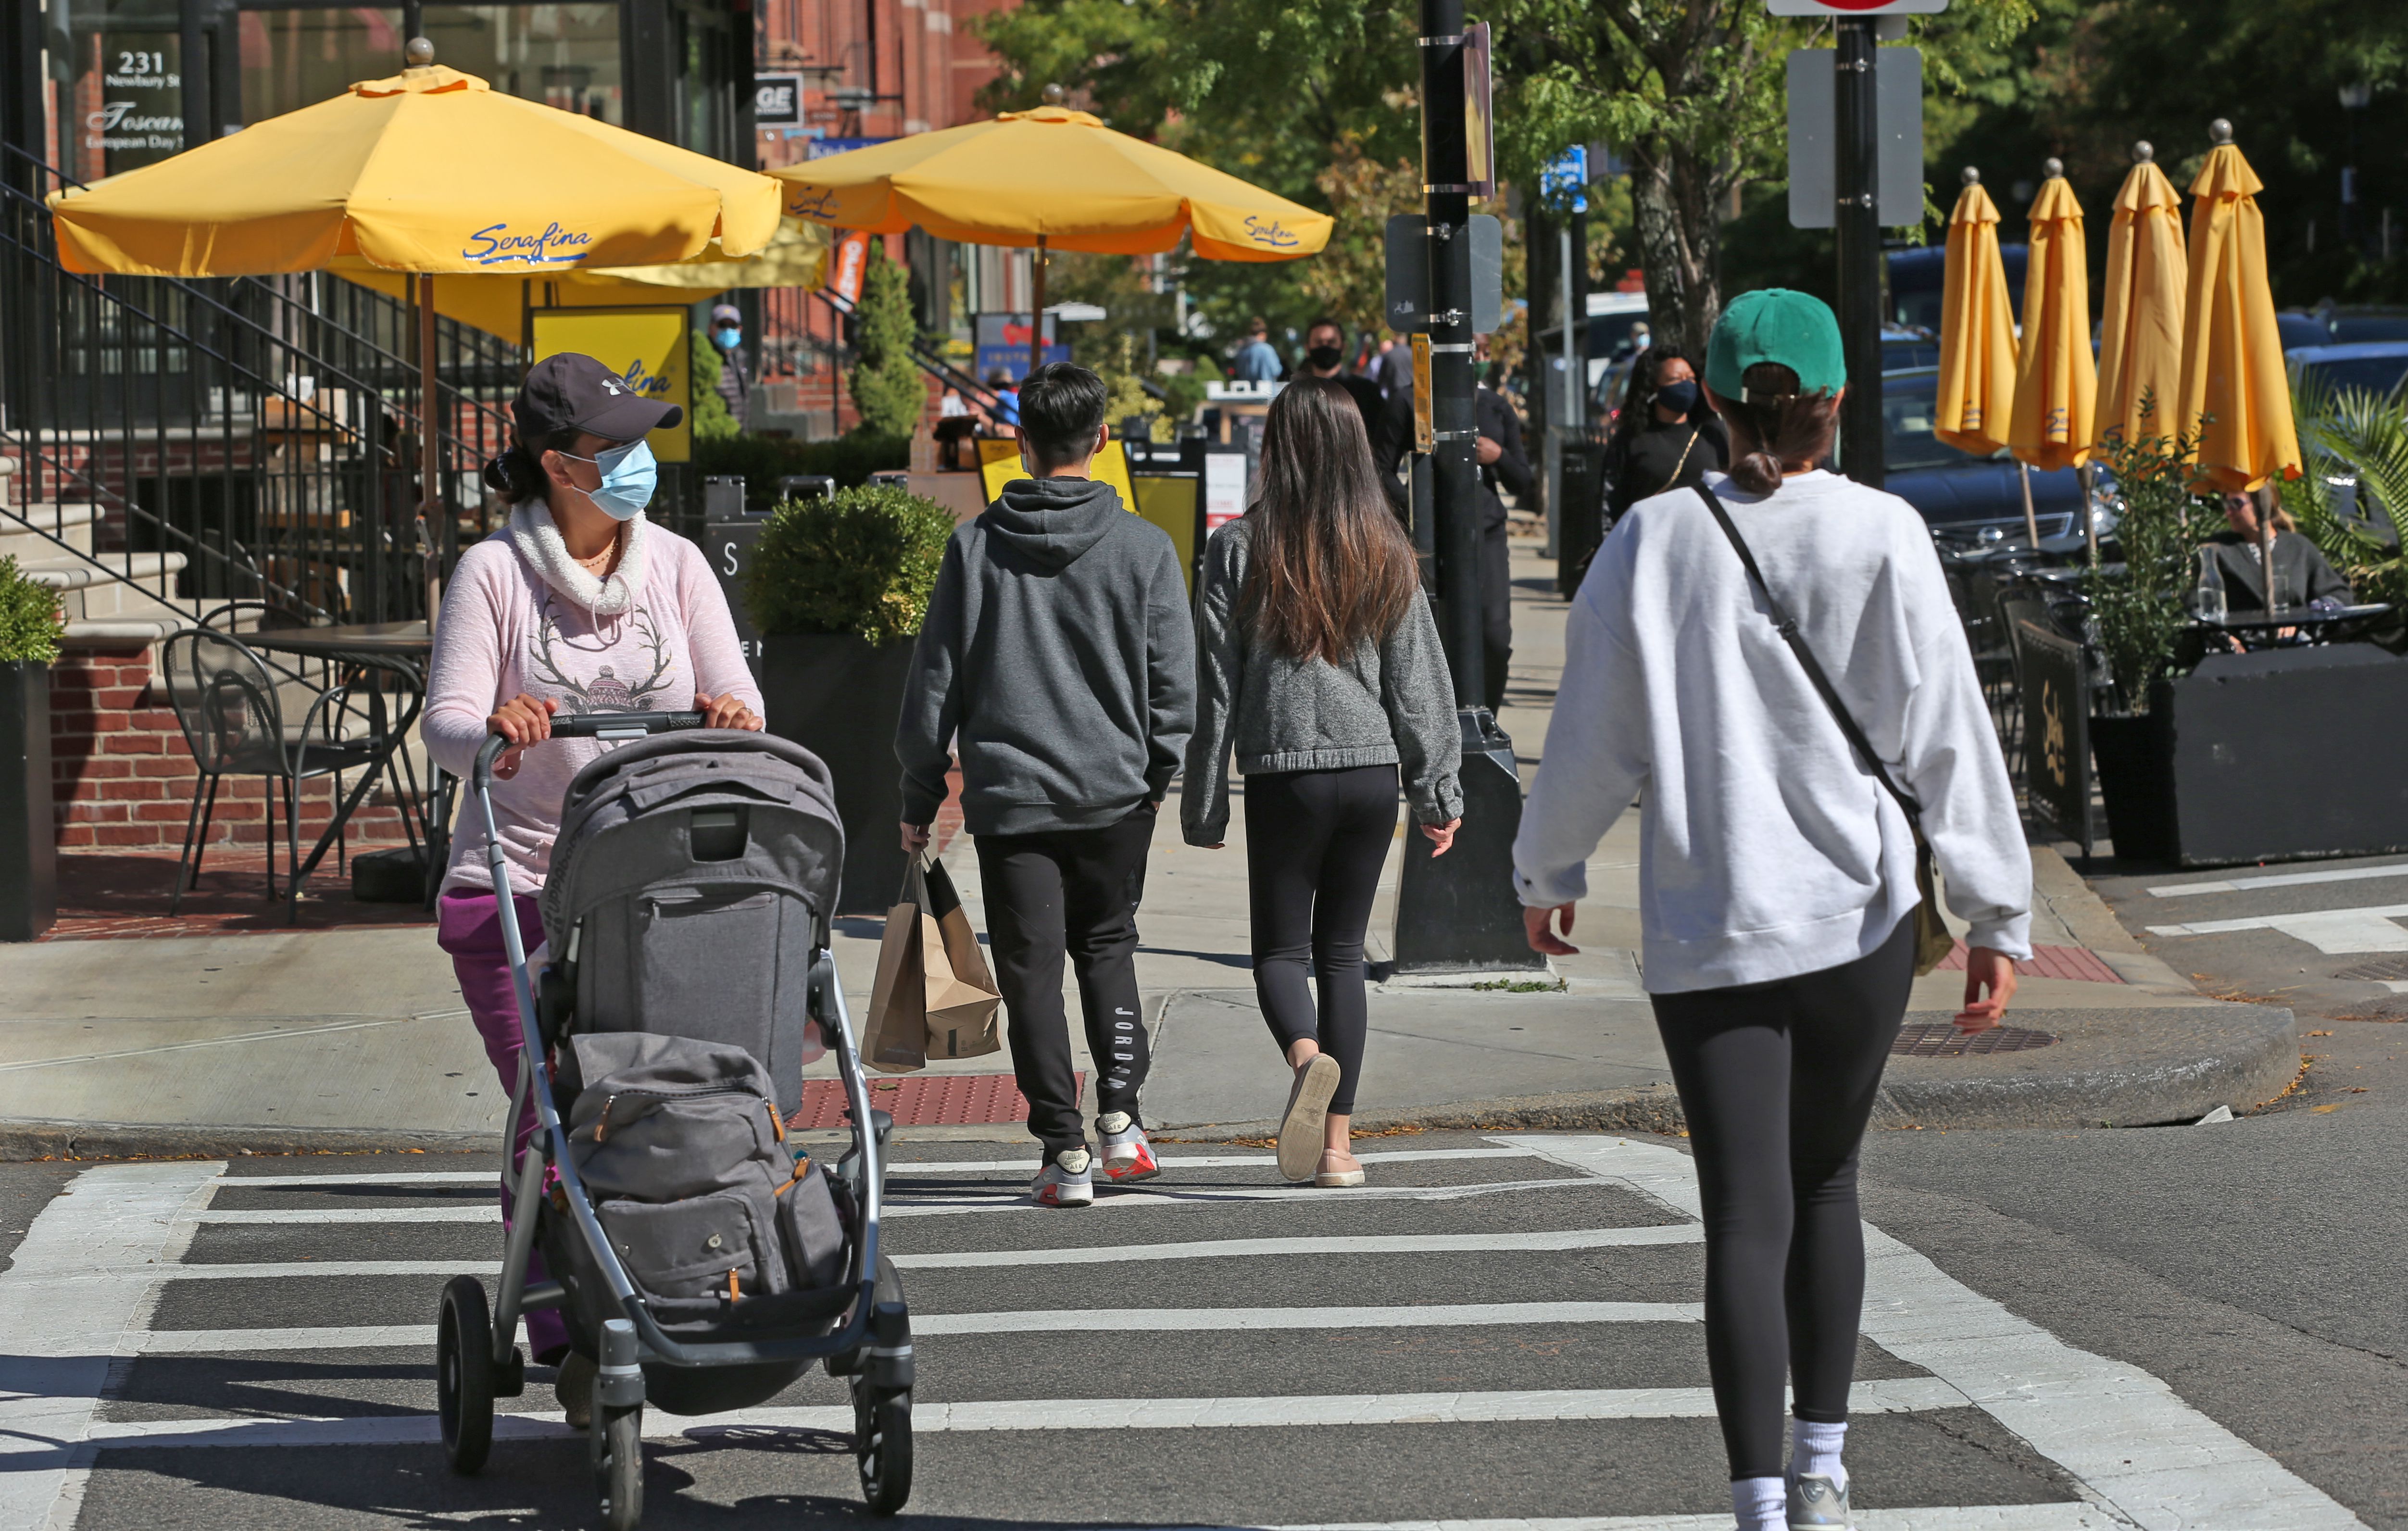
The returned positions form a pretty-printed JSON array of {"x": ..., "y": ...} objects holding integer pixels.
[
  {"x": 1424, "y": 430},
  {"x": 648, "y": 346},
  {"x": 1000, "y": 464}
]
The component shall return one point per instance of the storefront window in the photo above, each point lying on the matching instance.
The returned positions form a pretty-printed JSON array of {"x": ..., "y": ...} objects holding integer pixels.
[
  {"x": 565, "y": 56},
  {"x": 128, "y": 108}
]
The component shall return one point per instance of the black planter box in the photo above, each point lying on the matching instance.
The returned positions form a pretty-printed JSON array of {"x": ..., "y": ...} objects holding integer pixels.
[
  {"x": 840, "y": 697},
  {"x": 29, "y": 855},
  {"x": 2278, "y": 755}
]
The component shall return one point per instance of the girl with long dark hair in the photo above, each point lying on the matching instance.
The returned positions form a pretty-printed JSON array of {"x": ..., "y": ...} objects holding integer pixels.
[
  {"x": 1319, "y": 664},
  {"x": 1665, "y": 437}
]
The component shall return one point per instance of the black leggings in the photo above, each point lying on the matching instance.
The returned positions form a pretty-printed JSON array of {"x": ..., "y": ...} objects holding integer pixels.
[
  {"x": 1777, "y": 1081},
  {"x": 1315, "y": 841}
]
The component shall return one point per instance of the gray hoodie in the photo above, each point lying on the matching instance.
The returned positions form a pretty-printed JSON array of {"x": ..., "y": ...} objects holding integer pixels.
[
  {"x": 1058, "y": 650},
  {"x": 1391, "y": 702}
]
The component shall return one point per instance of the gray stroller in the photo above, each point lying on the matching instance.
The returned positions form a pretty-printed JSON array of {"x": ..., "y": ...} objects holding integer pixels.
[{"x": 688, "y": 901}]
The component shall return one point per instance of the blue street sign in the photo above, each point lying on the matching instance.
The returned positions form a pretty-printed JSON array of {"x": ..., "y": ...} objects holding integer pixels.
[{"x": 1564, "y": 182}]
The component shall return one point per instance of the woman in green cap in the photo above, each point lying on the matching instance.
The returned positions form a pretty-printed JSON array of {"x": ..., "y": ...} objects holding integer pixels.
[{"x": 1772, "y": 664}]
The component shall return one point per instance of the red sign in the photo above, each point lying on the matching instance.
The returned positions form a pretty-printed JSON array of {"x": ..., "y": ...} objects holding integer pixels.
[
  {"x": 846, "y": 263},
  {"x": 1856, "y": 8}
]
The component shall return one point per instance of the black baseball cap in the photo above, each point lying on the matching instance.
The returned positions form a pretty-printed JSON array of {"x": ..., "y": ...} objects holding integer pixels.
[{"x": 572, "y": 391}]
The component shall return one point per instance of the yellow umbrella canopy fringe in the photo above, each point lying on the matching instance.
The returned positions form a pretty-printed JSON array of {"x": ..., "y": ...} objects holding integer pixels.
[
  {"x": 2141, "y": 323},
  {"x": 1056, "y": 177},
  {"x": 429, "y": 171},
  {"x": 2235, "y": 392},
  {"x": 2057, "y": 382},
  {"x": 1977, "y": 332}
]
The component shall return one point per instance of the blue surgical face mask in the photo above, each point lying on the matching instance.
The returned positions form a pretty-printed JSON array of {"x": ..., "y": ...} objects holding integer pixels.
[
  {"x": 629, "y": 476},
  {"x": 728, "y": 338}
]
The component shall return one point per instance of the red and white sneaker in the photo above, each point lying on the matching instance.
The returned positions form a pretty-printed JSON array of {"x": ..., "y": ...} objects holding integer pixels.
[
  {"x": 1068, "y": 1181},
  {"x": 1127, "y": 1156}
]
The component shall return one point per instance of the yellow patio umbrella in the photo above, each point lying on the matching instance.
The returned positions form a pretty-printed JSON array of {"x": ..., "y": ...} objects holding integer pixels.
[
  {"x": 2235, "y": 392},
  {"x": 2140, "y": 324},
  {"x": 1977, "y": 334},
  {"x": 429, "y": 171},
  {"x": 2057, "y": 379},
  {"x": 1053, "y": 179}
]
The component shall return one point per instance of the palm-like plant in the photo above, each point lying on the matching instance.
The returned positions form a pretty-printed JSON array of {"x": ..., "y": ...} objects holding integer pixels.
[{"x": 2365, "y": 436}]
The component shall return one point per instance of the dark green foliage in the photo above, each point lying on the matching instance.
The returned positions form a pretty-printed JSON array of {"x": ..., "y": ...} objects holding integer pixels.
[
  {"x": 29, "y": 617},
  {"x": 2139, "y": 609},
  {"x": 887, "y": 389},
  {"x": 864, "y": 562},
  {"x": 761, "y": 461}
]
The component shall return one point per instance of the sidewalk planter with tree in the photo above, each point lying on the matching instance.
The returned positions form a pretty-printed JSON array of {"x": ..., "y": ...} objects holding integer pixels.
[
  {"x": 839, "y": 587},
  {"x": 29, "y": 867},
  {"x": 2138, "y": 609},
  {"x": 888, "y": 387}
]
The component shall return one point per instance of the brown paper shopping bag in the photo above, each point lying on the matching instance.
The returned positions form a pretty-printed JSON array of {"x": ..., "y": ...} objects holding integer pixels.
[{"x": 934, "y": 996}]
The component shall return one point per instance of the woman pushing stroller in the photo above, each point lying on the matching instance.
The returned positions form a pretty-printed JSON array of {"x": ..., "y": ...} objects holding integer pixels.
[{"x": 577, "y": 605}]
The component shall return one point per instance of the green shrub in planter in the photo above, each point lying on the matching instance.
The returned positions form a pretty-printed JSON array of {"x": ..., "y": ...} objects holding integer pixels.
[
  {"x": 863, "y": 562},
  {"x": 29, "y": 617}
]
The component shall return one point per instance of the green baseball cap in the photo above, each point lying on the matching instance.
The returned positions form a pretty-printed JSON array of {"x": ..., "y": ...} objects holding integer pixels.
[{"x": 1776, "y": 324}]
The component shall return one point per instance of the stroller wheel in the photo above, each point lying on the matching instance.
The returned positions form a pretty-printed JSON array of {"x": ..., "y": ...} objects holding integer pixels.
[
  {"x": 615, "y": 1442},
  {"x": 881, "y": 1444},
  {"x": 464, "y": 1374}
]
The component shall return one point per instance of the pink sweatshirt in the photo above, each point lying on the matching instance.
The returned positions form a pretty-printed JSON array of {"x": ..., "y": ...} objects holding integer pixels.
[{"x": 520, "y": 616}]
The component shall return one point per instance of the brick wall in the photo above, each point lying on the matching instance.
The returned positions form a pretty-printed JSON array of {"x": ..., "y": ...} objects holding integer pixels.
[{"x": 123, "y": 774}]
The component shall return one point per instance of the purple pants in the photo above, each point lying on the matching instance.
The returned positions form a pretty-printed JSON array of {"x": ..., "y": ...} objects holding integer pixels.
[{"x": 468, "y": 926}]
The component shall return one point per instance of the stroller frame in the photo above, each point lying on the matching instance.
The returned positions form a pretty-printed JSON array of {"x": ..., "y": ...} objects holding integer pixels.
[{"x": 871, "y": 1344}]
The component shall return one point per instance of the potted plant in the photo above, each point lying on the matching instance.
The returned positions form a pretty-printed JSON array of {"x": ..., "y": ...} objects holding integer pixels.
[
  {"x": 2139, "y": 616},
  {"x": 30, "y": 623},
  {"x": 839, "y": 587}
]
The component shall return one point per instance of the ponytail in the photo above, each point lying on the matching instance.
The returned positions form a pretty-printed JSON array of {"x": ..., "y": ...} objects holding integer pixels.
[
  {"x": 1775, "y": 428},
  {"x": 516, "y": 475}
]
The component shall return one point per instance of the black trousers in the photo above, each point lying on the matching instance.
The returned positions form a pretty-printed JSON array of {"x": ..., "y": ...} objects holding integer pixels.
[
  {"x": 1315, "y": 844},
  {"x": 1777, "y": 1081},
  {"x": 1496, "y": 614},
  {"x": 1069, "y": 893}
]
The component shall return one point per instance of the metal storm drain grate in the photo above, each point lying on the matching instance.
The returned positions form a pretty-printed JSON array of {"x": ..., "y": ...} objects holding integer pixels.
[
  {"x": 1942, "y": 1039},
  {"x": 2385, "y": 970}
]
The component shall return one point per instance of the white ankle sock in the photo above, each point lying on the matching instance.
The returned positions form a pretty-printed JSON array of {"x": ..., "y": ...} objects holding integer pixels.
[
  {"x": 1113, "y": 1121},
  {"x": 1761, "y": 1504},
  {"x": 1814, "y": 1450}
]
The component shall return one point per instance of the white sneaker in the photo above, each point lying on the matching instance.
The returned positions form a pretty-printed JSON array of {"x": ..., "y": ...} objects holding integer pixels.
[
  {"x": 1817, "y": 1504},
  {"x": 1308, "y": 1109},
  {"x": 1127, "y": 1156},
  {"x": 1068, "y": 1181}
]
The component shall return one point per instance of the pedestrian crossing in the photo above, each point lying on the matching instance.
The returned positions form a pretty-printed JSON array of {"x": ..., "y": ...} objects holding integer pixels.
[{"x": 1503, "y": 1335}]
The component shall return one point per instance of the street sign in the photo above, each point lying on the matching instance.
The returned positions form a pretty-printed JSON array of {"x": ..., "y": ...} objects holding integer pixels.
[
  {"x": 1479, "y": 116},
  {"x": 649, "y": 347},
  {"x": 1814, "y": 137},
  {"x": 1408, "y": 253},
  {"x": 1563, "y": 182},
  {"x": 1857, "y": 8},
  {"x": 777, "y": 100}
]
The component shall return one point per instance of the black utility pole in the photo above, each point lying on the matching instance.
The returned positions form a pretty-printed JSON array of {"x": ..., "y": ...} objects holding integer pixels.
[
  {"x": 1455, "y": 465},
  {"x": 1860, "y": 256},
  {"x": 193, "y": 71}
]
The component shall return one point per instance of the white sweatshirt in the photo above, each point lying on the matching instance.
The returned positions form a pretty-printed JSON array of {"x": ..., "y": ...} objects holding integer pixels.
[{"x": 1768, "y": 848}]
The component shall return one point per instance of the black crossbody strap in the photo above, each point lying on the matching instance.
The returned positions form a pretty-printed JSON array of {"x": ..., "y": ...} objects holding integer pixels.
[{"x": 1788, "y": 626}]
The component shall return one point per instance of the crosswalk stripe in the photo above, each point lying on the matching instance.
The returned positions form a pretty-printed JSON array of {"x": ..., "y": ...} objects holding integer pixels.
[
  {"x": 2278, "y": 880},
  {"x": 483, "y": 1212},
  {"x": 1212, "y": 1249},
  {"x": 211, "y": 1342},
  {"x": 1212, "y": 1161},
  {"x": 280, "y": 1269},
  {"x": 1008, "y": 1199},
  {"x": 288, "y": 1183},
  {"x": 2333, "y": 932},
  {"x": 2051, "y": 1517}
]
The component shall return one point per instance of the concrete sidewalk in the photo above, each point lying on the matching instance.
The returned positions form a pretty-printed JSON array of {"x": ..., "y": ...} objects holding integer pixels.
[{"x": 354, "y": 1038}]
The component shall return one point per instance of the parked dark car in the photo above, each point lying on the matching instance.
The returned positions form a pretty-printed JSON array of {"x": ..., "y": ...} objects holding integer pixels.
[
  {"x": 1960, "y": 495},
  {"x": 2376, "y": 366},
  {"x": 1918, "y": 278},
  {"x": 2340, "y": 324}
]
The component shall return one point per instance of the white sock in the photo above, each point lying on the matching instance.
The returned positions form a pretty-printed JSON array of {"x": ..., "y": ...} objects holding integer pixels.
[
  {"x": 1761, "y": 1504},
  {"x": 1112, "y": 1122},
  {"x": 1814, "y": 1450},
  {"x": 1074, "y": 1161}
]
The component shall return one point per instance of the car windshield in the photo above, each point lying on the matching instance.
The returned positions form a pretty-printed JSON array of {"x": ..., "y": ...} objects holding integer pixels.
[
  {"x": 2380, "y": 374},
  {"x": 2349, "y": 328},
  {"x": 1907, "y": 422}
]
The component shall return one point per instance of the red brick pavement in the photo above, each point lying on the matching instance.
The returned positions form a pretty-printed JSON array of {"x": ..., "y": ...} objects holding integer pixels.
[
  {"x": 2077, "y": 962},
  {"x": 922, "y": 1100},
  {"x": 116, "y": 894}
]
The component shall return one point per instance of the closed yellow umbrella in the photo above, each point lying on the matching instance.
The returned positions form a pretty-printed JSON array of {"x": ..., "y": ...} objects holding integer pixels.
[
  {"x": 2057, "y": 380},
  {"x": 1054, "y": 178},
  {"x": 2235, "y": 393},
  {"x": 2141, "y": 320},
  {"x": 1977, "y": 329}
]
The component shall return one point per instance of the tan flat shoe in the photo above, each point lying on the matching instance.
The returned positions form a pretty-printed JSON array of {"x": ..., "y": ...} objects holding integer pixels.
[
  {"x": 1335, "y": 1174},
  {"x": 1307, "y": 1106}
]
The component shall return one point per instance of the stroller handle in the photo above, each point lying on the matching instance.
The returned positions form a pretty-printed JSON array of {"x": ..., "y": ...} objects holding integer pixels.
[{"x": 592, "y": 726}]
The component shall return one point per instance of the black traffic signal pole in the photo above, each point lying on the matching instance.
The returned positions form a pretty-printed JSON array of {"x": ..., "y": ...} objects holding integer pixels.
[{"x": 1859, "y": 240}]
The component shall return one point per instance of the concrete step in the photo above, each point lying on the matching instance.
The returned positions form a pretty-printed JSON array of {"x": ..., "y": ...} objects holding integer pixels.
[
  {"x": 114, "y": 586},
  {"x": 26, "y": 531},
  {"x": 120, "y": 631}
]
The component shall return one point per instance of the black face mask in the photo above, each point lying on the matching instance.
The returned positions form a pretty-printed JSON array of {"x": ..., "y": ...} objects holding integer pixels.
[
  {"x": 1680, "y": 397},
  {"x": 1324, "y": 357}
]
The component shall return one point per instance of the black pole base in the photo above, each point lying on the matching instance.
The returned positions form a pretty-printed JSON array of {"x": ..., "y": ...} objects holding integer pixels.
[
  {"x": 29, "y": 861},
  {"x": 1457, "y": 913}
]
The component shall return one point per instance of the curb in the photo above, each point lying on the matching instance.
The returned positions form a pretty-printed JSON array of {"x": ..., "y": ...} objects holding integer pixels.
[{"x": 23, "y": 1139}]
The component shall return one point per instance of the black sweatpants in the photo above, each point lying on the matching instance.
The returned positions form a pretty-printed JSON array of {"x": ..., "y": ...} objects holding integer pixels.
[
  {"x": 1315, "y": 844},
  {"x": 1069, "y": 893},
  {"x": 1496, "y": 615},
  {"x": 1777, "y": 1081}
]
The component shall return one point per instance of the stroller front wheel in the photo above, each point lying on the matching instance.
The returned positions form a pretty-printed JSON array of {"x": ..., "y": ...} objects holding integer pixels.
[
  {"x": 881, "y": 1444},
  {"x": 464, "y": 1374},
  {"x": 615, "y": 1441}
]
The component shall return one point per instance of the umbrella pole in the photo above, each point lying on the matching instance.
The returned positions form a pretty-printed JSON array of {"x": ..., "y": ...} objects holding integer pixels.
[
  {"x": 1037, "y": 326},
  {"x": 2265, "y": 545},
  {"x": 430, "y": 451},
  {"x": 2089, "y": 522},
  {"x": 2031, "y": 522}
]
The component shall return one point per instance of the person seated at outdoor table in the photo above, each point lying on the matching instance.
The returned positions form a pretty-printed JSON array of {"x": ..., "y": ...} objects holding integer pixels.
[
  {"x": 2299, "y": 564},
  {"x": 579, "y": 605}
]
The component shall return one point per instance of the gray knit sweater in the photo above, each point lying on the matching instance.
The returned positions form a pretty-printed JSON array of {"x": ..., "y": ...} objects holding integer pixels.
[{"x": 1391, "y": 704}]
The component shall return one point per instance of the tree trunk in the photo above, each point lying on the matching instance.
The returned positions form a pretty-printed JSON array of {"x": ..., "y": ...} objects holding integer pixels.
[{"x": 1680, "y": 245}]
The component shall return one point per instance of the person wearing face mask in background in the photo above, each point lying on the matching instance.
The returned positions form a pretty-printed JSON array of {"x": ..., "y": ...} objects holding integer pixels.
[
  {"x": 1502, "y": 462},
  {"x": 1324, "y": 356},
  {"x": 578, "y": 606},
  {"x": 1665, "y": 437},
  {"x": 735, "y": 367}
]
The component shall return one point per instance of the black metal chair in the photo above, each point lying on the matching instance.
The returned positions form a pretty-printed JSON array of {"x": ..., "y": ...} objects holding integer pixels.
[{"x": 228, "y": 701}]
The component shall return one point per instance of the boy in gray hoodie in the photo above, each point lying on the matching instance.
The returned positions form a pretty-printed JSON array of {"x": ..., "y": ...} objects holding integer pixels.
[{"x": 1058, "y": 657}]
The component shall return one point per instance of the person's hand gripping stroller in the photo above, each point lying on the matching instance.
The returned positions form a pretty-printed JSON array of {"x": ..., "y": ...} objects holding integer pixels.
[{"x": 524, "y": 720}]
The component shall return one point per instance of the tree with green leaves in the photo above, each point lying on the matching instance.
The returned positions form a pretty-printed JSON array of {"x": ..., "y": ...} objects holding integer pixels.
[{"x": 887, "y": 389}]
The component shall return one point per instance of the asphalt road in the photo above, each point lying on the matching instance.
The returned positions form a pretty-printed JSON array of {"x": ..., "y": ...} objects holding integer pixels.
[{"x": 1504, "y": 1333}]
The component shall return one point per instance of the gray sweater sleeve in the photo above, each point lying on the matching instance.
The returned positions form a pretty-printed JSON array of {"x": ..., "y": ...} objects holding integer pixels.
[
  {"x": 1171, "y": 673},
  {"x": 1220, "y": 672},
  {"x": 932, "y": 695},
  {"x": 1419, "y": 695}
]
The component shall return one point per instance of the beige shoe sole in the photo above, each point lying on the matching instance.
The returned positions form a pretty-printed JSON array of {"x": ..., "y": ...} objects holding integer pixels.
[
  {"x": 1308, "y": 1109},
  {"x": 1338, "y": 1179}
]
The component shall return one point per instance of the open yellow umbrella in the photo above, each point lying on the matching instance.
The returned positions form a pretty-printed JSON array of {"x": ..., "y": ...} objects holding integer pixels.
[
  {"x": 1977, "y": 333},
  {"x": 2235, "y": 393},
  {"x": 2140, "y": 324},
  {"x": 1054, "y": 178}
]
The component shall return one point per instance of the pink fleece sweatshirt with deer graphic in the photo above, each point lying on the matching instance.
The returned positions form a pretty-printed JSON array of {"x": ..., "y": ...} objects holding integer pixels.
[{"x": 505, "y": 629}]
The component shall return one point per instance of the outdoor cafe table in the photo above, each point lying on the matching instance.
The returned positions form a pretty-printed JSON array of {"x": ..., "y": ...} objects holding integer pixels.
[
  {"x": 398, "y": 654},
  {"x": 2317, "y": 626}
]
